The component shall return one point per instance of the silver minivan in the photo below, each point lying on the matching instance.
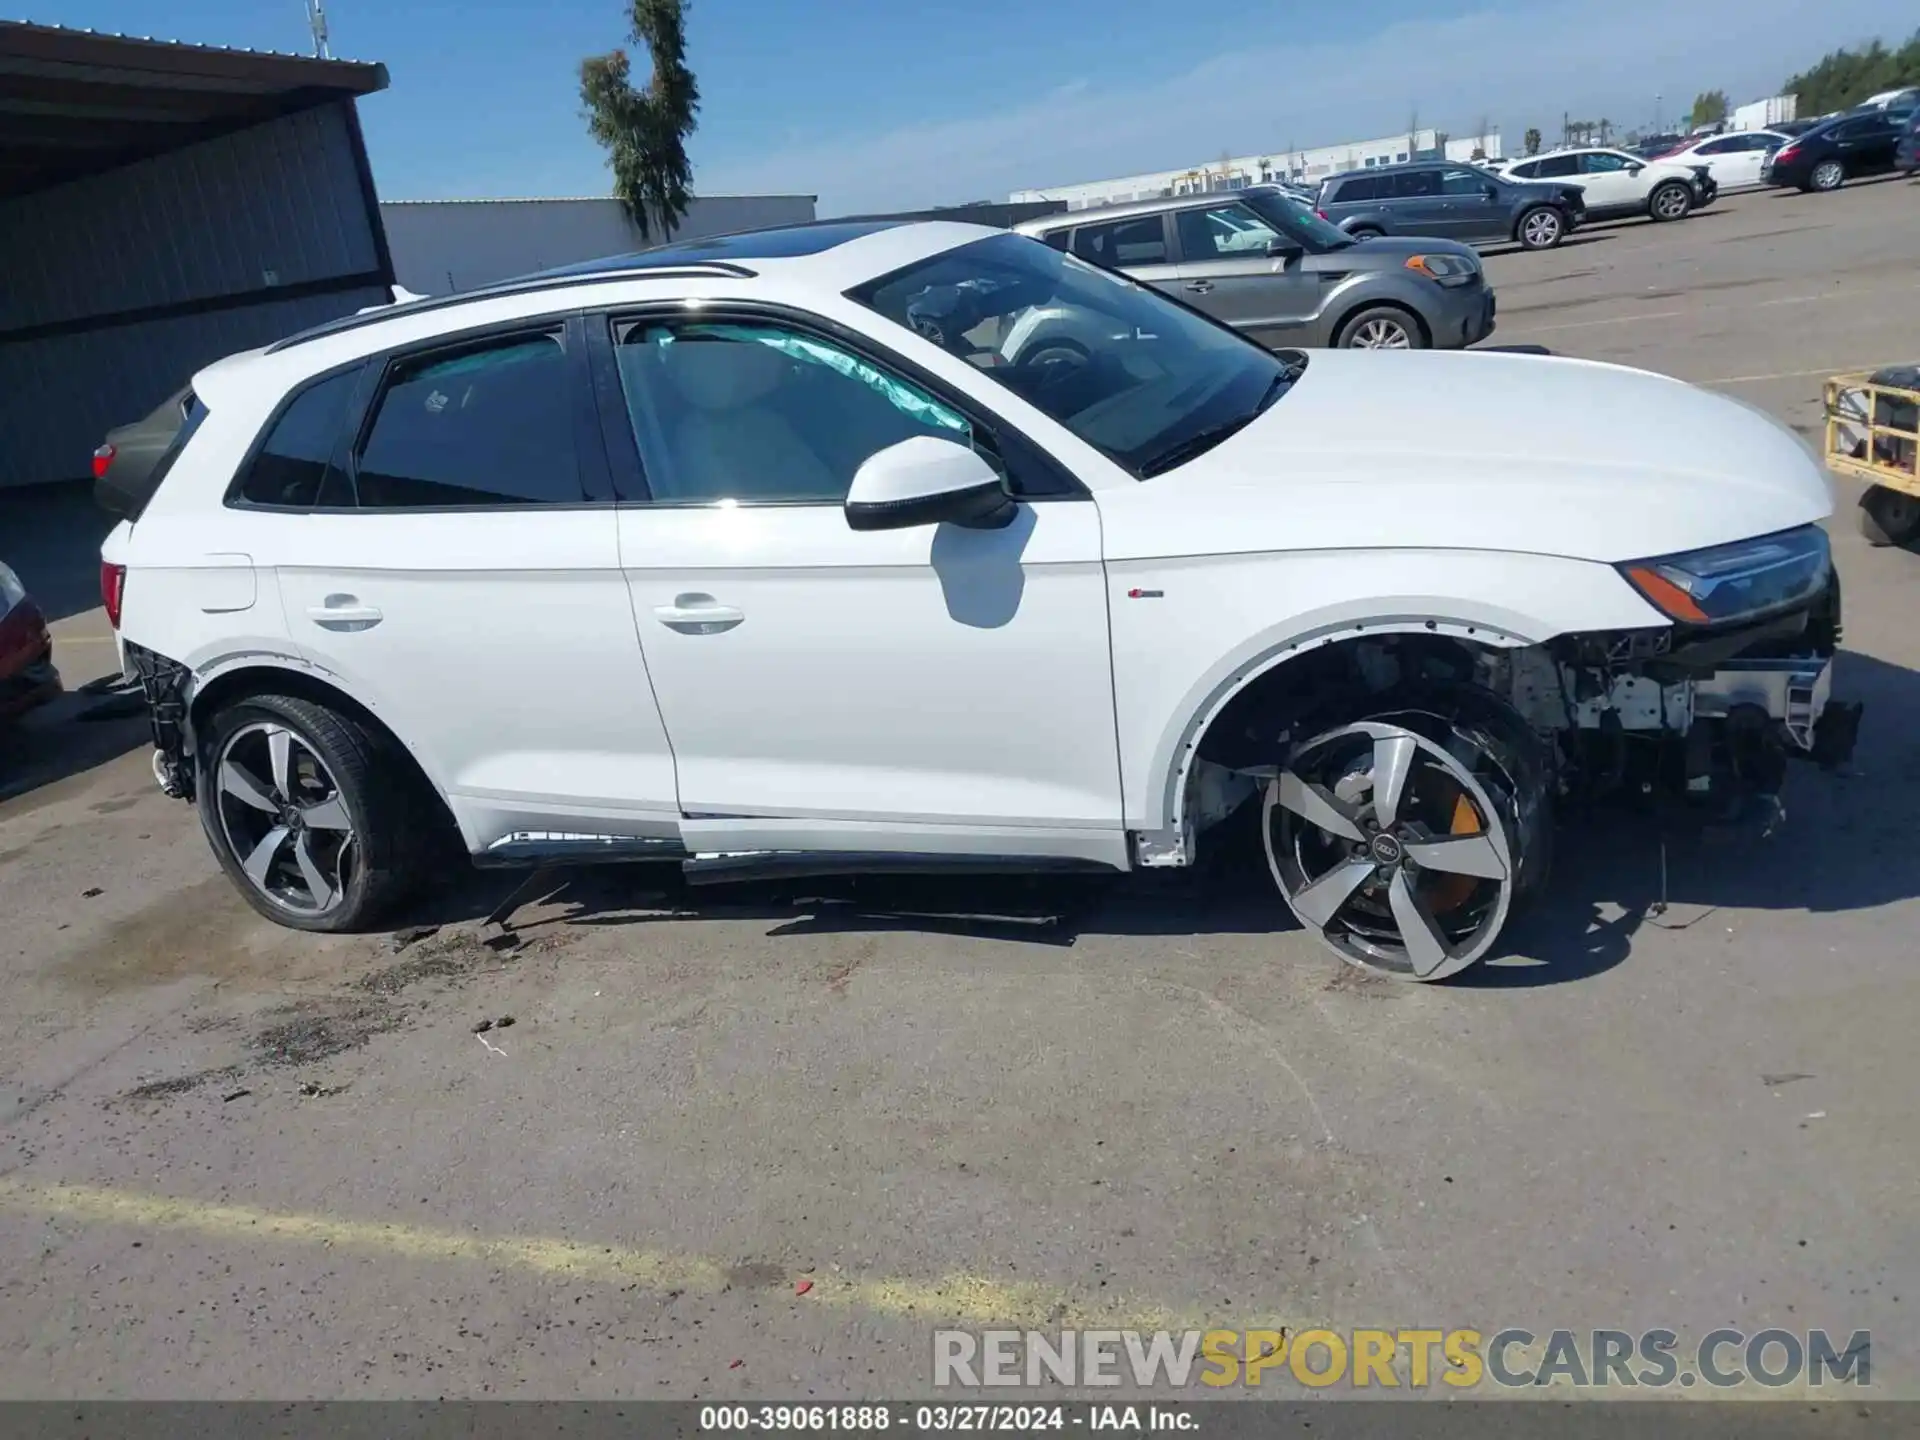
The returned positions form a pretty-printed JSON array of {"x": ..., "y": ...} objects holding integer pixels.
[{"x": 1267, "y": 264}]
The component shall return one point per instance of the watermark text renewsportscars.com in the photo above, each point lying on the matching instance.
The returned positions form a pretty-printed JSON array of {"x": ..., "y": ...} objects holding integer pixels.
[{"x": 1379, "y": 1359}]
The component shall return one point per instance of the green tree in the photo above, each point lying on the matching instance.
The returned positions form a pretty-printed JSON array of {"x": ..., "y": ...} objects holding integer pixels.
[
  {"x": 644, "y": 132},
  {"x": 1531, "y": 140},
  {"x": 1709, "y": 107},
  {"x": 1846, "y": 77}
]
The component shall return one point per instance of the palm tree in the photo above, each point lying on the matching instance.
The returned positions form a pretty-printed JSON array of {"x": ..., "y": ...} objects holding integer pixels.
[{"x": 645, "y": 132}]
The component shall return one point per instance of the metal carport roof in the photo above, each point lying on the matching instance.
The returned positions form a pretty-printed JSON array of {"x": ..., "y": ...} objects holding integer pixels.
[{"x": 73, "y": 102}]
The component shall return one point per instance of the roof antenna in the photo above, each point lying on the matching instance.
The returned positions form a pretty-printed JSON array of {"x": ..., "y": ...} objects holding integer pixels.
[{"x": 317, "y": 22}]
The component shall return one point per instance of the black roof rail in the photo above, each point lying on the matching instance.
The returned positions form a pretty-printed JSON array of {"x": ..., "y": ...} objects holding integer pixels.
[{"x": 529, "y": 285}]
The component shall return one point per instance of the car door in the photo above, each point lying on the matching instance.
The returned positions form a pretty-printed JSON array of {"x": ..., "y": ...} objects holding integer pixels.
[
  {"x": 1477, "y": 207},
  {"x": 1225, "y": 270},
  {"x": 1420, "y": 205},
  {"x": 441, "y": 527},
  {"x": 1611, "y": 182},
  {"x": 1138, "y": 245},
  {"x": 1866, "y": 144},
  {"x": 931, "y": 689}
]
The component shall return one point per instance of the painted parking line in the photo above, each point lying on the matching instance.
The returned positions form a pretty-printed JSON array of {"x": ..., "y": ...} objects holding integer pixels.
[
  {"x": 1793, "y": 374},
  {"x": 961, "y": 1297}
]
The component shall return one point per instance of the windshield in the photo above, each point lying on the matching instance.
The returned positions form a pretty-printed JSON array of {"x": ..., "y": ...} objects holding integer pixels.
[
  {"x": 1298, "y": 221},
  {"x": 1148, "y": 382}
]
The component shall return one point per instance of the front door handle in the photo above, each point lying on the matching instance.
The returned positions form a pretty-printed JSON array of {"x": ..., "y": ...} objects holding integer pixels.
[
  {"x": 1200, "y": 287},
  {"x": 344, "y": 612},
  {"x": 695, "y": 614}
]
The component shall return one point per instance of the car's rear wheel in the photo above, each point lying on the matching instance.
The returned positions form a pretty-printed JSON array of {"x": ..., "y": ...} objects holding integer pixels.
[
  {"x": 1381, "y": 327},
  {"x": 1827, "y": 175},
  {"x": 1407, "y": 840},
  {"x": 1887, "y": 517},
  {"x": 1671, "y": 201},
  {"x": 1541, "y": 228},
  {"x": 1366, "y": 232},
  {"x": 309, "y": 813}
]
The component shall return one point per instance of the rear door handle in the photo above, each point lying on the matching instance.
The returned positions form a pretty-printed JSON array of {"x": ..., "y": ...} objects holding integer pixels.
[
  {"x": 695, "y": 614},
  {"x": 1200, "y": 287},
  {"x": 344, "y": 612}
]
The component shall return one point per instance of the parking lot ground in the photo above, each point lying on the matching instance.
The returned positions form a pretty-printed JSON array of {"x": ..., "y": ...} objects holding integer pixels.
[{"x": 236, "y": 1160}]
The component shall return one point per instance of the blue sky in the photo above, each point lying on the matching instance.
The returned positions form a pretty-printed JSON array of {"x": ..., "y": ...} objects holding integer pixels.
[{"x": 883, "y": 103}]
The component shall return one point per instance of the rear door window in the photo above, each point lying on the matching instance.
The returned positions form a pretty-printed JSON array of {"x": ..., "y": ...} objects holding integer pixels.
[
  {"x": 1415, "y": 184},
  {"x": 294, "y": 467},
  {"x": 488, "y": 425},
  {"x": 1556, "y": 166},
  {"x": 1121, "y": 243}
]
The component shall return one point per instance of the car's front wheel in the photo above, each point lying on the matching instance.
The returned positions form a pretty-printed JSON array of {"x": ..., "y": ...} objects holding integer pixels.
[
  {"x": 1827, "y": 175},
  {"x": 309, "y": 813},
  {"x": 1541, "y": 228},
  {"x": 1381, "y": 327},
  {"x": 1672, "y": 201},
  {"x": 1406, "y": 840}
]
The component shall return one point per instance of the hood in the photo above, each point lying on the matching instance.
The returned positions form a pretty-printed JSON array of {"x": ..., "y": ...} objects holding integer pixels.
[
  {"x": 1469, "y": 450},
  {"x": 1402, "y": 245}
]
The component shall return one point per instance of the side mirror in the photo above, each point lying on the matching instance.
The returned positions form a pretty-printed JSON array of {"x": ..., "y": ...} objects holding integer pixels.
[
  {"x": 1635, "y": 169},
  {"x": 927, "y": 481},
  {"x": 1284, "y": 249},
  {"x": 1493, "y": 191}
]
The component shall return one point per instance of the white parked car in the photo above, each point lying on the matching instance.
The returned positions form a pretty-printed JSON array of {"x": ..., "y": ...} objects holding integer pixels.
[
  {"x": 1615, "y": 183},
  {"x": 757, "y": 553},
  {"x": 1734, "y": 160}
]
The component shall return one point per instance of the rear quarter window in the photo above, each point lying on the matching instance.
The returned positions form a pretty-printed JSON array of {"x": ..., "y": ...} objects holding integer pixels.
[{"x": 1362, "y": 187}]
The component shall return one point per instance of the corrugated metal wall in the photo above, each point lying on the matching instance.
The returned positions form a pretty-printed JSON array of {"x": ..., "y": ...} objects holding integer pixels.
[
  {"x": 442, "y": 246},
  {"x": 115, "y": 288}
]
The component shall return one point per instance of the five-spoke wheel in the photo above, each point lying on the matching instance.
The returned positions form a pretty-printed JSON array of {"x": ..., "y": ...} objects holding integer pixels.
[
  {"x": 284, "y": 818},
  {"x": 1402, "y": 845}
]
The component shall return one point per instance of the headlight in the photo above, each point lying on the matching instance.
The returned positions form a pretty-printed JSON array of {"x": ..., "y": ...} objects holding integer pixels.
[
  {"x": 12, "y": 592},
  {"x": 1739, "y": 581},
  {"x": 1447, "y": 269}
]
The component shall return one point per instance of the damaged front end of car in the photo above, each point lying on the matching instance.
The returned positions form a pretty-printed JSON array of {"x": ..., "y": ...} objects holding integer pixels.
[{"x": 1709, "y": 710}]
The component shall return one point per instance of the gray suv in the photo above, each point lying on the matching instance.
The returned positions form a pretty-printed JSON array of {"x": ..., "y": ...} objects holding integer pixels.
[
  {"x": 1265, "y": 264},
  {"x": 1452, "y": 202}
]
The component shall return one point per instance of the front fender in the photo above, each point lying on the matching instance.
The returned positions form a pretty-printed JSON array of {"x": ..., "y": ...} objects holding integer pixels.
[{"x": 1190, "y": 634}]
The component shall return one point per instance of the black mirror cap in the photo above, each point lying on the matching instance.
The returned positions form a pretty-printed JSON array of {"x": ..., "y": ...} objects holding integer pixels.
[
  {"x": 986, "y": 506},
  {"x": 1284, "y": 249}
]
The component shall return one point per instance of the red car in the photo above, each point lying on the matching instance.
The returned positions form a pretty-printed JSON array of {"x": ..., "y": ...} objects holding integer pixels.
[{"x": 27, "y": 676}]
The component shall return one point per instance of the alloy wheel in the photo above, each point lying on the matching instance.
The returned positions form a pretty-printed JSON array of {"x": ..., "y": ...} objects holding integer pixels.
[
  {"x": 1827, "y": 175},
  {"x": 1392, "y": 849},
  {"x": 1381, "y": 334},
  {"x": 284, "y": 818},
  {"x": 1542, "y": 228},
  {"x": 1670, "y": 203}
]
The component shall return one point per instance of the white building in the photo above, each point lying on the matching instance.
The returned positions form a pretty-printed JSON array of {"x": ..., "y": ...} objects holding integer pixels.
[{"x": 1238, "y": 172}]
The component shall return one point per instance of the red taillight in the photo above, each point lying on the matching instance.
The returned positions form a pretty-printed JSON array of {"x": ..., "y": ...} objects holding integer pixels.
[
  {"x": 102, "y": 458},
  {"x": 113, "y": 589},
  {"x": 1786, "y": 152}
]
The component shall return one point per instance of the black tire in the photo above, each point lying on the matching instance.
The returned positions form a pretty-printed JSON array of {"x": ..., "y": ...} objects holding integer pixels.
[
  {"x": 1888, "y": 517},
  {"x": 1377, "y": 318},
  {"x": 1662, "y": 205},
  {"x": 1534, "y": 232},
  {"x": 1827, "y": 176},
  {"x": 1365, "y": 232},
  {"x": 383, "y": 859}
]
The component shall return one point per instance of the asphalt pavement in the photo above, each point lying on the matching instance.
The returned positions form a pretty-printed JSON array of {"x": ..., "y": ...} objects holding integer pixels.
[{"x": 760, "y": 1143}]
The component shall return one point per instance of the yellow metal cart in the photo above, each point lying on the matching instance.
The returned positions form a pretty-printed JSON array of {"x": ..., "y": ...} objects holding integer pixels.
[{"x": 1873, "y": 434}]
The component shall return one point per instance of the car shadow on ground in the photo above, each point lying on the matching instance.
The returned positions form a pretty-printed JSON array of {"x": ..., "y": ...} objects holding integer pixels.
[
  {"x": 67, "y": 736},
  {"x": 1616, "y": 875}
]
